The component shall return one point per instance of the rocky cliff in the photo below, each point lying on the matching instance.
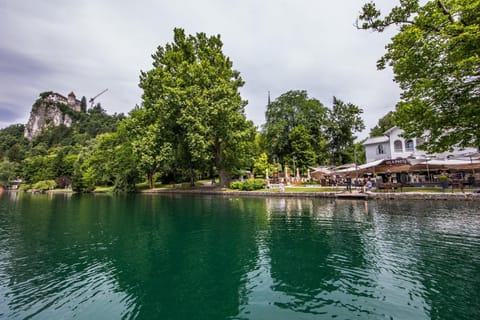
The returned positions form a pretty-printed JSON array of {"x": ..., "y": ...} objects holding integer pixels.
[{"x": 51, "y": 109}]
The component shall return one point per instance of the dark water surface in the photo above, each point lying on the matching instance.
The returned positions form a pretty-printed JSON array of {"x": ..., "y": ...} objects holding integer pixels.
[{"x": 180, "y": 257}]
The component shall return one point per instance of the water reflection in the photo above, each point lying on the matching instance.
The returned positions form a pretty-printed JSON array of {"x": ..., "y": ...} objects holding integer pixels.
[{"x": 177, "y": 257}]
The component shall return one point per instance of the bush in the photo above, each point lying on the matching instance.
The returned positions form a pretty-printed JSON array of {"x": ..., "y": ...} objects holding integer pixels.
[
  {"x": 248, "y": 185},
  {"x": 45, "y": 185},
  {"x": 24, "y": 187},
  {"x": 237, "y": 185}
]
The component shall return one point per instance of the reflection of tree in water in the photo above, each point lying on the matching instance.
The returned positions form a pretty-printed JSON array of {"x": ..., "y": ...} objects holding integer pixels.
[
  {"x": 438, "y": 245},
  {"x": 190, "y": 260},
  {"x": 182, "y": 258},
  {"x": 52, "y": 248},
  {"x": 317, "y": 251}
]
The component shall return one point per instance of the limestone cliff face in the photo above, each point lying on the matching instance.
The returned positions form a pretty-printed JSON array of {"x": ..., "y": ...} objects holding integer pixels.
[
  {"x": 43, "y": 116},
  {"x": 51, "y": 109}
]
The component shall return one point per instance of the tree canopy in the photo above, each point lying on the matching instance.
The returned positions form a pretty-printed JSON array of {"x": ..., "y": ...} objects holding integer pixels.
[
  {"x": 302, "y": 129},
  {"x": 294, "y": 127},
  {"x": 192, "y": 97},
  {"x": 436, "y": 61},
  {"x": 344, "y": 120}
]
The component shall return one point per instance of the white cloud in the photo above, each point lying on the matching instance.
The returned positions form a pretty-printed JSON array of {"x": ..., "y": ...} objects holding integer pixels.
[{"x": 88, "y": 45}]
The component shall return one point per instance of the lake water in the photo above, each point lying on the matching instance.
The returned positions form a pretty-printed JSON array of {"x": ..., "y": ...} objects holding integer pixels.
[{"x": 213, "y": 257}]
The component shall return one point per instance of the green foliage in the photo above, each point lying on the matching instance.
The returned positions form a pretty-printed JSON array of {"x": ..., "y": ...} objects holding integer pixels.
[
  {"x": 436, "y": 60},
  {"x": 154, "y": 154},
  {"x": 38, "y": 168},
  {"x": 12, "y": 142},
  {"x": 44, "y": 185},
  {"x": 344, "y": 120},
  {"x": 236, "y": 185},
  {"x": 192, "y": 96},
  {"x": 83, "y": 105},
  {"x": 108, "y": 160},
  {"x": 8, "y": 171},
  {"x": 96, "y": 121},
  {"x": 261, "y": 165},
  {"x": 294, "y": 128},
  {"x": 248, "y": 185}
]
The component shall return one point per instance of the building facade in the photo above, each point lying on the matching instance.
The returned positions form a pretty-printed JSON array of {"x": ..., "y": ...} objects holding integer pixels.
[{"x": 392, "y": 146}]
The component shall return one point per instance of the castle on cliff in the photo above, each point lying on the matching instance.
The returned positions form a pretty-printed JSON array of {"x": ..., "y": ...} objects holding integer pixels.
[
  {"x": 71, "y": 101},
  {"x": 51, "y": 109}
]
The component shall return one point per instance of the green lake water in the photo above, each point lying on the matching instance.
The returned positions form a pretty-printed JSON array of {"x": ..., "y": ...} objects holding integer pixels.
[{"x": 213, "y": 257}]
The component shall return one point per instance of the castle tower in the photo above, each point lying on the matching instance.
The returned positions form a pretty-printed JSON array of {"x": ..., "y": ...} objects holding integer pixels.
[
  {"x": 73, "y": 103},
  {"x": 71, "y": 98}
]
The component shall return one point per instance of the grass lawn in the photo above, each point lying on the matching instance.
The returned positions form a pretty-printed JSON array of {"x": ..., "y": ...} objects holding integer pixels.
[{"x": 103, "y": 189}]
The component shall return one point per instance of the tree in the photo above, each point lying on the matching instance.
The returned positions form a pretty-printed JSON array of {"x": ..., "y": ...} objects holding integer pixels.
[
  {"x": 436, "y": 61},
  {"x": 8, "y": 171},
  {"x": 109, "y": 160},
  {"x": 261, "y": 166},
  {"x": 302, "y": 150},
  {"x": 384, "y": 123},
  {"x": 295, "y": 123},
  {"x": 154, "y": 154},
  {"x": 12, "y": 137},
  {"x": 83, "y": 105},
  {"x": 344, "y": 119},
  {"x": 192, "y": 95}
]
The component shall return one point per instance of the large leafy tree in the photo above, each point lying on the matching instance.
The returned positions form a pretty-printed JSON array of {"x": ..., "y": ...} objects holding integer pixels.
[
  {"x": 294, "y": 128},
  {"x": 192, "y": 96},
  {"x": 344, "y": 119},
  {"x": 436, "y": 61}
]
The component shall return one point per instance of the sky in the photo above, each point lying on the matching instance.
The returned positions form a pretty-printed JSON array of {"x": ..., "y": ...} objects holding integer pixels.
[{"x": 87, "y": 46}]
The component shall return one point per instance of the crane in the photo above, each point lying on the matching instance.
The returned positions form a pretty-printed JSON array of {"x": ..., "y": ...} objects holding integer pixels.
[{"x": 92, "y": 100}]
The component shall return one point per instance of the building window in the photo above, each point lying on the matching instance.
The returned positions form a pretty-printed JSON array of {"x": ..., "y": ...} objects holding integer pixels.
[
  {"x": 409, "y": 145},
  {"x": 380, "y": 149},
  {"x": 397, "y": 146}
]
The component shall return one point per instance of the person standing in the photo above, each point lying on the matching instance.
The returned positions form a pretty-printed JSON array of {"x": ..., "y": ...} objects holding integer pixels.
[{"x": 348, "y": 182}]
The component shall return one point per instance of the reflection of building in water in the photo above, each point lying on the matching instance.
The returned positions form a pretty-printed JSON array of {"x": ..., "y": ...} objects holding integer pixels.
[
  {"x": 299, "y": 206},
  {"x": 289, "y": 206},
  {"x": 320, "y": 208},
  {"x": 13, "y": 195}
]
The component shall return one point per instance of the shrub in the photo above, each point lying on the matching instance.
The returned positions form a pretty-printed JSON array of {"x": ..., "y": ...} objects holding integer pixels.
[
  {"x": 236, "y": 185},
  {"x": 248, "y": 185},
  {"x": 44, "y": 185}
]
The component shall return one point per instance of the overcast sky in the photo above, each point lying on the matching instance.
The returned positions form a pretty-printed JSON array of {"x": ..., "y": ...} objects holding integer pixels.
[{"x": 87, "y": 46}]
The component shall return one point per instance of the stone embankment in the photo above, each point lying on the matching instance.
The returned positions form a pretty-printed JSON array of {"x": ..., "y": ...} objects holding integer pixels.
[{"x": 469, "y": 196}]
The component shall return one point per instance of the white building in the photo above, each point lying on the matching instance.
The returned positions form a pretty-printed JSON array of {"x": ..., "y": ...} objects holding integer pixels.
[{"x": 393, "y": 146}]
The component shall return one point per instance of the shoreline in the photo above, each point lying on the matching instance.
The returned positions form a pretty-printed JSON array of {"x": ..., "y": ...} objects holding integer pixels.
[
  {"x": 467, "y": 196},
  {"x": 355, "y": 195}
]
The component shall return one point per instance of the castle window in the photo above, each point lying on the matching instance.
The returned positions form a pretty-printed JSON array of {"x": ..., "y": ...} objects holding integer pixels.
[
  {"x": 397, "y": 146},
  {"x": 409, "y": 145}
]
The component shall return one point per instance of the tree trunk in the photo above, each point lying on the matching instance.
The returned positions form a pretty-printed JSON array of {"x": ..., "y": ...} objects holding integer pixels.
[
  {"x": 223, "y": 173},
  {"x": 224, "y": 176},
  {"x": 150, "y": 180},
  {"x": 192, "y": 178}
]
